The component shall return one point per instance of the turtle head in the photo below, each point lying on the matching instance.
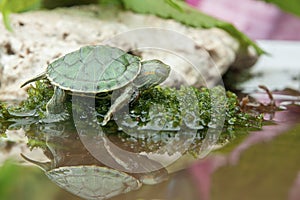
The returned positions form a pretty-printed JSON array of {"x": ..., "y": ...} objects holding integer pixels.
[
  {"x": 154, "y": 177},
  {"x": 153, "y": 72}
]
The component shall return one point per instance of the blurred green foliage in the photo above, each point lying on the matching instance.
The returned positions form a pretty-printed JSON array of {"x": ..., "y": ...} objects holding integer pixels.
[
  {"x": 189, "y": 16},
  {"x": 65, "y": 3},
  {"x": 175, "y": 9},
  {"x": 13, "y": 6},
  {"x": 291, "y": 6},
  {"x": 27, "y": 183}
]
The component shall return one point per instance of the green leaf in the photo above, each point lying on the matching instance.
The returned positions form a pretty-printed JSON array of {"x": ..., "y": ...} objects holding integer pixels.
[
  {"x": 110, "y": 2},
  {"x": 13, "y": 6},
  {"x": 291, "y": 6},
  {"x": 188, "y": 16},
  {"x": 174, "y": 4},
  {"x": 6, "y": 21}
]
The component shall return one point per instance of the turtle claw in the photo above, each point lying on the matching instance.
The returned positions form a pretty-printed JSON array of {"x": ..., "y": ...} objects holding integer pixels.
[
  {"x": 106, "y": 119},
  {"x": 51, "y": 118}
]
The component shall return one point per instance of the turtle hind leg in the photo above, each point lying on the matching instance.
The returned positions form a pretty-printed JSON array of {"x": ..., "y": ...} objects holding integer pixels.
[
  {"x": 55, "y": 109},
  {"x": 38, "y": 77}
]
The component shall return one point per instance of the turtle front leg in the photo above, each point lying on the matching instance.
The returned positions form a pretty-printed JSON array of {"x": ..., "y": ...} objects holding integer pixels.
[
  {"x": 55, "y": 110},
  {"x": 122, "y": 100}
]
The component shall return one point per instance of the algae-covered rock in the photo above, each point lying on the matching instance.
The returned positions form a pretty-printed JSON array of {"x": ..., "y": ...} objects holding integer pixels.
[{"x": 158, "y": 109}]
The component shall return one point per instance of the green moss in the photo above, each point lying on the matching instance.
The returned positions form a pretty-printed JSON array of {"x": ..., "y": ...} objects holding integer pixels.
[
  {"x": 4, "y": 115},
  {"x": 158, "y": 110},
  {"x": 38, "y": 96},
  {"x": 173, "y": 100},
  {"x": 166, "y": 100},
  {"x": 3, "y": 111}
]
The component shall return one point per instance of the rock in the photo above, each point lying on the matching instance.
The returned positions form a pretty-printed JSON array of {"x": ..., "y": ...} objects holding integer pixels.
[{"x": 197, "y": 56}]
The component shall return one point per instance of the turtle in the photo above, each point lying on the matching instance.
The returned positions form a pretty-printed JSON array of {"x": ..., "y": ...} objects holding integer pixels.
[
  {"x": 91, "y": 182},
  {"x": 98, "y": 69},
  {"x": 97, "y": 182}
]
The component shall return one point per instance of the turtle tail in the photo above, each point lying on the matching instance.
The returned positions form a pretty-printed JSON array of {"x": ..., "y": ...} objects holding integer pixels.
[
  {"x": 44, "y": 165},
  {"x": 38, "y": 77}
]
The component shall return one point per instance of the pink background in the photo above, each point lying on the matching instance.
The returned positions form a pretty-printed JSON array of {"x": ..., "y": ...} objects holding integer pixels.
[{"x": 257, "y": 19}]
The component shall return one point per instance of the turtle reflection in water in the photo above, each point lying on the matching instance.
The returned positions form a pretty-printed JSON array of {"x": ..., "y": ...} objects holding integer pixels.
[
  {"x": 99, "y": 69},
  {"x": 96, "y": 182}
]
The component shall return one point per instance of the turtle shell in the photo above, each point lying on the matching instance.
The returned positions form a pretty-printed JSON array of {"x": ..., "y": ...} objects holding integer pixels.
[
  {"x": 94, "y": 69},
  {"x": 93, "y": 182}
]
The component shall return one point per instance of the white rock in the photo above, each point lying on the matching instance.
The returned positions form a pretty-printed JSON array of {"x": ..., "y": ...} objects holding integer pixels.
[{"x": 197, "y": 56}]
